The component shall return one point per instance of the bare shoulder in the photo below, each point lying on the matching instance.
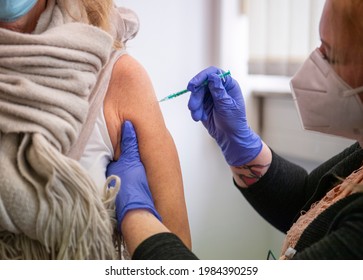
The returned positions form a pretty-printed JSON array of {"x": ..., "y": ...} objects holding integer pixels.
[
  {"x": 131, "y": 96},
  {"x": 129, "y": 77}
]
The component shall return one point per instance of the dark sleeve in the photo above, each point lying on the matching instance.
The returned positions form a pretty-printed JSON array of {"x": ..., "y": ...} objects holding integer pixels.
[
  {"x": 163, "y": 246},
  {"x": 279, "y": 194},
  {"x": 282, "y": 192}
]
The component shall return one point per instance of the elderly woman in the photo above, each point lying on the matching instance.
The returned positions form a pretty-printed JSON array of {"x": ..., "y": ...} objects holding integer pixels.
[{"x": 66, "y": 86}]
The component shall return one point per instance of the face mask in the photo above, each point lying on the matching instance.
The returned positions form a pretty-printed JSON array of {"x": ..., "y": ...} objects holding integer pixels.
[
  {"x": 325, "y": 102},
  {"x": 11, "y": 10}
]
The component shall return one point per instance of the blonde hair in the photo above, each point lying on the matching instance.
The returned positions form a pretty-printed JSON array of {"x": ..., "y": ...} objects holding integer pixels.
[{"x": 98, "y": 12}]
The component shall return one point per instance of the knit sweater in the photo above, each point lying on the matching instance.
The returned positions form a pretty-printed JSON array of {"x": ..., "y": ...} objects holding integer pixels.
[
  {"x": 280, "y": 196},
  {"x": 286, "y": 190}
]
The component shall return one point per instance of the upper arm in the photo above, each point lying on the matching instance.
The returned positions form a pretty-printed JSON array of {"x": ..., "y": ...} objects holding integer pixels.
[{"x": 131, "y": 97}]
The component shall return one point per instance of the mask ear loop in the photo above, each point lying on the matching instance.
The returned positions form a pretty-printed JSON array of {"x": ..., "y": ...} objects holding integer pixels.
[
  {"x": 325, "y": 67},
  {"x": 351, "y": 92}
]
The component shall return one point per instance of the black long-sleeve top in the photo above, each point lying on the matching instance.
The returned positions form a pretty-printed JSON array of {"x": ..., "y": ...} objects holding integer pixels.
[{"x": 280, "y": 196}]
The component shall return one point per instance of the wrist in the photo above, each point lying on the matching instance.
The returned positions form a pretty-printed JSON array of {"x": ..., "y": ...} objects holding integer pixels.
[
  {"x": 134, "y": 207},
  {"x": 251, "y": 172},
  {"x": 138, "y": 225},
  {"x": 238, "y": 151}
]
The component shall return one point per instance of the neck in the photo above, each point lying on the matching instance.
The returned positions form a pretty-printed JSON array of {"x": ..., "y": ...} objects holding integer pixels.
[{"x": 28, "y": 22}]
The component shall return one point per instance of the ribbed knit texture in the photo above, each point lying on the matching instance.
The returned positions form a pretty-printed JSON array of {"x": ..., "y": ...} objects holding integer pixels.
[{"x": 163, "y": 246}]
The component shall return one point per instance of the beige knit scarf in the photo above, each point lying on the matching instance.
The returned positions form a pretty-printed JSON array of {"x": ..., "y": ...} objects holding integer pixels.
[{"x": 49, "y": 207}]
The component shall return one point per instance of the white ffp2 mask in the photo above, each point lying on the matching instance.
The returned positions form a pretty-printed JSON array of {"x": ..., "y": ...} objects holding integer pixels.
[{"x": 325, "y": 102}]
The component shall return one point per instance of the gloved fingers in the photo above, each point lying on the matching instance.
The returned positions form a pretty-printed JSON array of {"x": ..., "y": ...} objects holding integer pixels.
[
  {"x": 218, "y": 91},
  {"x": 228, "y": 82},
  {"x": 199, "y": 93},
  {"x": 129, "y": 145},
  {"x": 221, "y": 99},
  {"x": 196, "y": 103},
  {"x": 201, "y": 77}
]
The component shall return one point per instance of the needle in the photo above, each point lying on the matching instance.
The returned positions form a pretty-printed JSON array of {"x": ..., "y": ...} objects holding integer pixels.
[{"x": 173, "y": 95}]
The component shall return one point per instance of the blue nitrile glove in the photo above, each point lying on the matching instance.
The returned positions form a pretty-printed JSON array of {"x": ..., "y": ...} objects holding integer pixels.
[
  {"x": 134, "y": 191},
  {"x": 221, "y": 108}
]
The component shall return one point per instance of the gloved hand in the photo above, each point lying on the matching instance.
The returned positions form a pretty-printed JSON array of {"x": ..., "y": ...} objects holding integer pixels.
[
  {"x": 134, "y": 191},
  {"x": 221, "y": 108}
]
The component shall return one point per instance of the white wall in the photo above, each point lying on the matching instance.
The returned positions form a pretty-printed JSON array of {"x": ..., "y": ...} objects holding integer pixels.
[{"x": 177, "y": 39}]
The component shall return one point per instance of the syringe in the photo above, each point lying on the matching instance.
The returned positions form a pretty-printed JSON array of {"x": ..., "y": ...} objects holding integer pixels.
[{"x": 173, "y": 95}]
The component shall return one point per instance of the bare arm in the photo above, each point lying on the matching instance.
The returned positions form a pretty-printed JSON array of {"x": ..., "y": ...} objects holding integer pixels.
[
  {"x": 131, "y": 97},
  {"x": 139, "y": 225}
]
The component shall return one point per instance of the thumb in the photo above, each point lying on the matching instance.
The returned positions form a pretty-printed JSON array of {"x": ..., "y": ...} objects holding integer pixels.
[
  {"x": 129, "y": 146},
  {"x": 218, "y": 92}
]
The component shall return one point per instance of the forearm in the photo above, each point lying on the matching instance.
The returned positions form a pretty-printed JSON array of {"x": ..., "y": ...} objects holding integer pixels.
[
  {"x": 280, "y": 193},
  {"x": 148, "y": 239},
  {"x": 251, "y": 172},
  {"x": 139, "y": 225},
  {"x": 166, "y": 185}
]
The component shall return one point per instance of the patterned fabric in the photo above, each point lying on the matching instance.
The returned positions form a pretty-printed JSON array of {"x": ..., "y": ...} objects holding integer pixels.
[{"x": 337, "y": 193}]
